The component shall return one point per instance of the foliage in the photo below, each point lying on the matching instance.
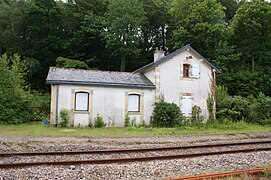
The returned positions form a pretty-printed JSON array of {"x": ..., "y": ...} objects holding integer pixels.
[
  {"x": 166, "y": 114},
  {"x": 39, "y": 106},
  {"x": 196, "y": 117},
  {"x": 69, "y": 63},
  {"x": 14, "y": 94},
  {"x": 127, "y": 120},
  {"x": 124, "y": 18},
  {"x": 133, "y": 123},
  {"x": 122, "y": 34},
  {"x": 99, "y": 123},
  {"x": 64, "y": 115},
  {"x": 260, "y": 110},
  {"x": 199, "y": 23},
  {"x": 237, "y": 108},
  {"x": 252, "y": 33},
  {"x": 210, "y": 106}
]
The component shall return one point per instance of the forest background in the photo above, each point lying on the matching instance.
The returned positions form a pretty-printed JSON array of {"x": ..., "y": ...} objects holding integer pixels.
[{"x": 121, "y": 35}]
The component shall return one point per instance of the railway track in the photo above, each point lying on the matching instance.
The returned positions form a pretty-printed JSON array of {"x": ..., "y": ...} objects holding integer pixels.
[
  {"x": 130, "y": 151},
  {"x": 254, "y": 172}
]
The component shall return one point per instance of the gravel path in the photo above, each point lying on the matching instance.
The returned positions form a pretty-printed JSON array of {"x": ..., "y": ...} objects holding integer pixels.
[{"x": 136, "y": 170}]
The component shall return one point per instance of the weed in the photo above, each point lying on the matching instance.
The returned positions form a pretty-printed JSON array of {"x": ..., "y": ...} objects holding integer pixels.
[
  {"x": 64, "y": 115},
  {"x": 99, "y": 123},
  {"x": 127, "y": 122}
]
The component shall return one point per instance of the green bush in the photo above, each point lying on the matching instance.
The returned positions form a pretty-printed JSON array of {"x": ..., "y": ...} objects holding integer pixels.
[
  {"x": 64, "y": 115},
  {"x": 237, "y": 108},
  {"x": 196, "y": 117},
  {"x": 99, "y": 123},
  {"x": 70, "y": 63},
  {"x": 260, "y": 110},
  {"x": 39, "y": 106},
  {"x": 14, "y": 93},
  {"x": 166, "y": 114},
  {"x": 127, "y": 120}
]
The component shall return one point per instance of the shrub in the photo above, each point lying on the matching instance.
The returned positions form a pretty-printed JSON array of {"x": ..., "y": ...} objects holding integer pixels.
[
  {"x": 70, "y": 63},
  {"x": 134, "y": 122},
  {"x": 127, "y": 122},
  {"x": 64, "y": 115},
  {"x": 235, "y": 108},
  {"x": 166, "y": 114},
  {"x": 39, "y": 106},
  {"x": 250, "y": 109},
  {"x": 260, "y": 110},
  {"x": 196, "y": 117},
  {"x": 14, "y": 94},
  {"x": 99, "y": 123}
]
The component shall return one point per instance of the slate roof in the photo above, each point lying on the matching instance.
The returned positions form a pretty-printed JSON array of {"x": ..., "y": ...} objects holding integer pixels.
[
  {"x": 165, "y": 58},
  {"x": 97, "y": 78}
]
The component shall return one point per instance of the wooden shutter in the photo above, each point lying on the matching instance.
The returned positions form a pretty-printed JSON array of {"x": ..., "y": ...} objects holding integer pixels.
[
  {"x": 81, "y": 101},
  {"x": 187, "y": 105},
  {"x": 195, "y": 71},
  {"x": 133, "y": 103}
]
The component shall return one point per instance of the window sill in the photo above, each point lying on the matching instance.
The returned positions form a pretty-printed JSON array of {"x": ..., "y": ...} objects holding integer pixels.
[
  {"x": 187, "y": 78},
  {"x": 81, "y": 112},
  {"x": 134, "y": 113}
]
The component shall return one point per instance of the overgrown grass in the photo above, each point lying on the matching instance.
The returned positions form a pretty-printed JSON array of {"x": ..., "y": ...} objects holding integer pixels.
[{"x": 38, "y": 129}]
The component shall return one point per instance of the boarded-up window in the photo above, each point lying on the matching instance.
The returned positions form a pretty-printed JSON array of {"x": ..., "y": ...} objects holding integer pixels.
[
  {"x": 81, "y": 101},
  {"x": 133, "y": 103},
  {"x": 187, "y": 105},
  {"x": 195, "y": 71}
]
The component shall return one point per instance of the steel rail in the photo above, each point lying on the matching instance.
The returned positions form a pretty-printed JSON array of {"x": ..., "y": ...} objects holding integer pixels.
[
  {"x": 254, "y": 171},
  {"x": 110, "y": 151},
  {"x": 126, "y": 160}
]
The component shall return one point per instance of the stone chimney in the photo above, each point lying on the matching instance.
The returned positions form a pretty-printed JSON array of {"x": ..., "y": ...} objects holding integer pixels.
[{"x": 158, "y": 54}]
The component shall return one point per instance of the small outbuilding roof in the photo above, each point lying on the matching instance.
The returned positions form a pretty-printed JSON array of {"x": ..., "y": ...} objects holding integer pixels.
[
  {"x": 165, "y": 58},
  {"x": 97, "y": 78}
]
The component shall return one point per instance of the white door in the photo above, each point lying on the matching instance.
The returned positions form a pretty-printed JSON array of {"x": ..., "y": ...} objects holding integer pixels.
[{"x": 187, "y": 105}]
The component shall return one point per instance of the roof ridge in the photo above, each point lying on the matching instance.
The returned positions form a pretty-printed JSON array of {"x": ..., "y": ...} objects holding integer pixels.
[{"x": 91, "y": 70}]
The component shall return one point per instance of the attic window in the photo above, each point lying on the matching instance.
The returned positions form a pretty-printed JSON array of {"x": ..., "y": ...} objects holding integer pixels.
[{"x": 81, "y": 101}]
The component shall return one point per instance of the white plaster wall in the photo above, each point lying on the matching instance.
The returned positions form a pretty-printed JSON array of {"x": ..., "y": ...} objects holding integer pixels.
[
  {"x": 150, "y": 75},
  {"x": 172, "y": 84},
  {"x": 108, "y": 102}
]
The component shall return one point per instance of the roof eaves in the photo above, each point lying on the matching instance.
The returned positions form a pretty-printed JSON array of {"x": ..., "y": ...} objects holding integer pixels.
[{"x": 145, "y": 86}]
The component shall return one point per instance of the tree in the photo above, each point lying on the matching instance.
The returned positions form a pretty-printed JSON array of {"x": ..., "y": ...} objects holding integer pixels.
[
  {"x": 156, "y": 29},
  {"x": 12, "y": 26},
  {"x": 199, "y": 23},
  {"x": 230, "y": 7},
  {"x": 70, "y": 63},
  {"x": 124, "y": 18},
  {"x": 252, "y": 34},
  {"x": 14, "y": 97}
]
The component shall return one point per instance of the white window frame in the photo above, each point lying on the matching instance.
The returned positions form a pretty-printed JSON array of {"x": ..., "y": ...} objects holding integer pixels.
[
  {"x": 135, "y": 107},
  {"x": 86, "y": 103}
]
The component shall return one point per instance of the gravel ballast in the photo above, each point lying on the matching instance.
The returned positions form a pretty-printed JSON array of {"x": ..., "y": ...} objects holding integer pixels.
[{"x": 157, "y": 169}]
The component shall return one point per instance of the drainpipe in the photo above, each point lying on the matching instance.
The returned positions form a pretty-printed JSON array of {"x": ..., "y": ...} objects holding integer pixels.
[
  {"x": 57, "y": 91},
  {"x": 214, "y": 95}
]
